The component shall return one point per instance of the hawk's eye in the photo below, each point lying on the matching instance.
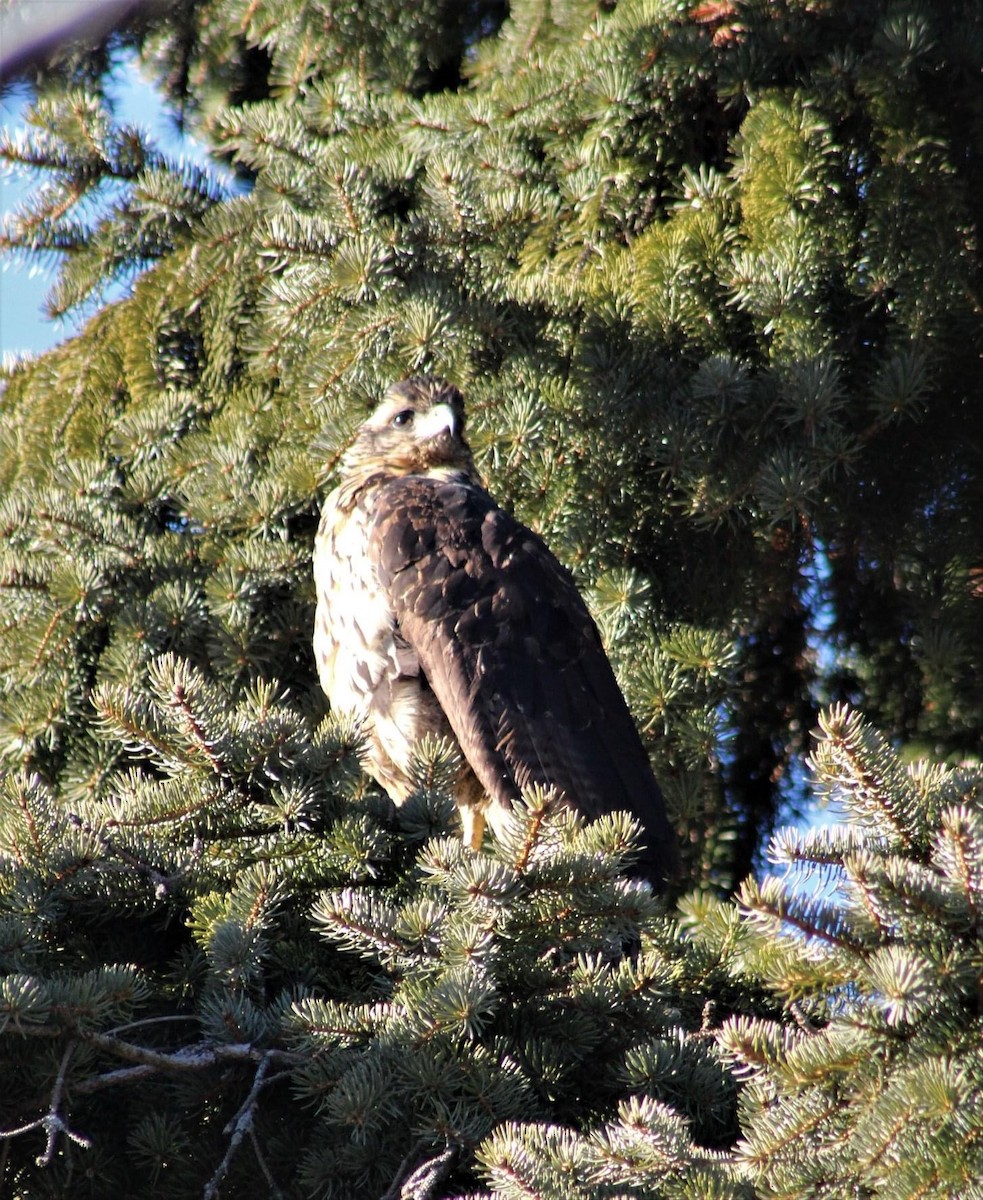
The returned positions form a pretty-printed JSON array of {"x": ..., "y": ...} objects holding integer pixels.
[{"x": 404, "y": 418}]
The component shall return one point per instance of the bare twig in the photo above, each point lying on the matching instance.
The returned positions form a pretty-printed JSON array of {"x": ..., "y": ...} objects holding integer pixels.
[
  {"x": 52, "y": 1122},
  {"x": 263, "y": 1166},
  {"x": 149, "y": 1061},
  {"x": 238, "y": 1127},
  {"x": 188, "y": 1058},
  {"x": 416, "y": 1180}
]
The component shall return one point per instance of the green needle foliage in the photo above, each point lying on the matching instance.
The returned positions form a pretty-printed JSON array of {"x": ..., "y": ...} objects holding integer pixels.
[
  {"x": 709, "y": 277},
  {"x": 876, "y": 1088}
]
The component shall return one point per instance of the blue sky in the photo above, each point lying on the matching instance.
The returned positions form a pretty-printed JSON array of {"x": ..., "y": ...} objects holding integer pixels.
[
  {"x": 23, "y": 285},
  {"x": 22, "y": 289}
]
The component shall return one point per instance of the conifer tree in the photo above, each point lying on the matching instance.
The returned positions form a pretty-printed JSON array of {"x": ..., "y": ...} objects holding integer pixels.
[
  {"x": 873, "y": 1086},
  {"x": 867, "y": 1080},
  {"x": 709, "y": 279}
]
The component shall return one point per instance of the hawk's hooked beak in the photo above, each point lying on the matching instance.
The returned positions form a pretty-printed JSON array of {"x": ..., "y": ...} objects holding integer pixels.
[{"x": 440, "y": 419}]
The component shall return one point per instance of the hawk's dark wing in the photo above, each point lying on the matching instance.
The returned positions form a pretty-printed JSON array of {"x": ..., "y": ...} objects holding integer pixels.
[{"x": 512, "y": 655}]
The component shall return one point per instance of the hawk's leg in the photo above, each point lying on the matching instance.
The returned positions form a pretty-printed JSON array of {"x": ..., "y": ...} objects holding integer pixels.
[{"x": 472, "y": 826}]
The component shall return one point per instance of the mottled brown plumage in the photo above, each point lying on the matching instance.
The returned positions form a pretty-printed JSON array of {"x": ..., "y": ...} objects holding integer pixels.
[{"x": 439, "y": 613}]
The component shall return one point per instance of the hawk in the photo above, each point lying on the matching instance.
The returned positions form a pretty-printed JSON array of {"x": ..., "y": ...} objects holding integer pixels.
[{"x": 438, "y": 613}]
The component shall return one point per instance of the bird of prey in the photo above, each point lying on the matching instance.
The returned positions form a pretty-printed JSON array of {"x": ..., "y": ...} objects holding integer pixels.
[{"x": 439, "y": 613}]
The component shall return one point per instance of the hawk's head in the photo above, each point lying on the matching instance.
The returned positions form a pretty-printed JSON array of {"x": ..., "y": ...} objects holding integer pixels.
[{"x": 418, "y": 429}]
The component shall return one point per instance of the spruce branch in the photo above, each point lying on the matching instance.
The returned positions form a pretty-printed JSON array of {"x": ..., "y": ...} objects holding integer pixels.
[
  {"x": 854, "y": 760},
  {"x": 179, "y": 702},
  {"x": 959, "y": 854},
  {"x": 771, "y": 906},
  {"x": 21, "y": 799},
  {"x": 131, "y": 719},
  {"x": 163, "y": 884},
  {"x": 540, "y": 806},
  {"x": 87, "y": 530}
]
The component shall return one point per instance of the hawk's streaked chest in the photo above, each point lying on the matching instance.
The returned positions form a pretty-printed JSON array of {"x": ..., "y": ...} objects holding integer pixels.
[{"x": 354, "y": 630}]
